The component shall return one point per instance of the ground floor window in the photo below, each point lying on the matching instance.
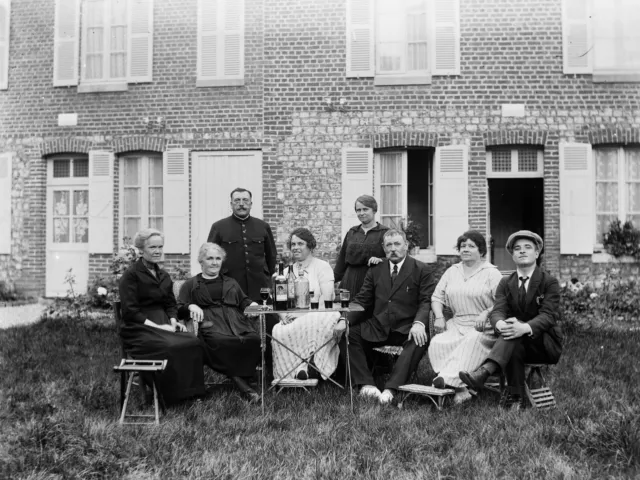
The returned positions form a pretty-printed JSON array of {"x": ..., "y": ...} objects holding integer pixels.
[
  {"x": 617, "y": 178},
  {"x": 141, "y": 193},
  {"x": 404, "y": 185}
]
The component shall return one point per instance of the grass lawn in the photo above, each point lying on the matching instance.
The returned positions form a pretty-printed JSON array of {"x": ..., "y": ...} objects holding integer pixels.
[{"x": 59, "y": 410}]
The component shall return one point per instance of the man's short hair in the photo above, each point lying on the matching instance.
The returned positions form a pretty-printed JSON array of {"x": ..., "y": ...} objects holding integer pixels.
[
  {"x": 240, "y": 189},
  {"x": 393, "y": 231}
]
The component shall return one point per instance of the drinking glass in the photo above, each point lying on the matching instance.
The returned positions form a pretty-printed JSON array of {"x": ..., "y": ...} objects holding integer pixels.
[
  {"x": 264, "y": 295},
  {"x": 345, "y": 295},
  {"x": 315, "y": 300},
  {"x": 327, "y": 294}
]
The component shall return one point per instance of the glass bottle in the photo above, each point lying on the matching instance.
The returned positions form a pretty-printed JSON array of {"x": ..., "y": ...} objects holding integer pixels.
[
  {"x": 302, "y": 291},
  {"x": 291, "y": 287},
  {"x": 280, "y": 289}
]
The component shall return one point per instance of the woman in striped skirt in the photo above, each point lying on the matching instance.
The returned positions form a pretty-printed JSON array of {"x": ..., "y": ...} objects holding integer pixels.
[{"x": 467, "y": 289}]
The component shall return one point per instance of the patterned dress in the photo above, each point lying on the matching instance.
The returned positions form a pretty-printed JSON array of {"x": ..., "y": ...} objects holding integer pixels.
[
  {"x": 308, "y": 332},
  {"x": 460, "y": 346}
]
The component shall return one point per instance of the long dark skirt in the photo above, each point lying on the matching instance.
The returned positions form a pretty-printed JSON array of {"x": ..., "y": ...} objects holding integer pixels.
[
  {"x": 353, "y": 279},
  {"x": 184, "y": 376},
  {"x": 230, "y": 355}
]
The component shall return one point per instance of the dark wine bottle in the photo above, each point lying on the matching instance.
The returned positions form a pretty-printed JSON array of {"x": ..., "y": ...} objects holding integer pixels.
[
  {"x": 280, "y": 287},
  {"x": 291, "y": 287}
]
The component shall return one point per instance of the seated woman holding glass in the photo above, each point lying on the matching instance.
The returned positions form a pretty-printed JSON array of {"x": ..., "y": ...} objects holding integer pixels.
[
  {"x": 305, "y": 333},
  {"x": 468, "y": 289},
  {"x": 217, "y": 302},
  {"x": 150, "y": 330}
]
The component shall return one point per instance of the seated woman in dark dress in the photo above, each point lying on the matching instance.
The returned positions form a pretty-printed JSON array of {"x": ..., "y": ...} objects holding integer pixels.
[
  {"x": 217, "y": 301},
  {"x": 150, "y": 330}
]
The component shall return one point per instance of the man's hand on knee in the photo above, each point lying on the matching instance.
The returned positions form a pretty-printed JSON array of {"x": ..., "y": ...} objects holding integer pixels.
[
  {"x": 514, "y": 329},
  {"x": 418, "y": 334}
]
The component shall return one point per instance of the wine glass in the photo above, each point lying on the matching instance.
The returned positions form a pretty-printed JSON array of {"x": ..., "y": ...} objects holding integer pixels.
[{"x": 264, "y": 295}]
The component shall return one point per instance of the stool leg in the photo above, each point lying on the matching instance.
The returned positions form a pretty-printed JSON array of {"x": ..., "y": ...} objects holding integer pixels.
[
  {"x": 123, "y": 387},
  {"x": 155, "y": 400},
  {"x": 126, "y": 399}
]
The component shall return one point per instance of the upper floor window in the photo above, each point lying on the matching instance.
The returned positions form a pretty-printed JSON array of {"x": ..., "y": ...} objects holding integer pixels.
[
  {"x": 514, "y": 162},
  {"x": 601, "y": 37},
  {"x": 5, "y": 14},
  {"x": 617, "y": 187},
  {"x": 220, "y": 43},
  {"x": 402, "y": 42},
  {"x": 111, "y": 40}
]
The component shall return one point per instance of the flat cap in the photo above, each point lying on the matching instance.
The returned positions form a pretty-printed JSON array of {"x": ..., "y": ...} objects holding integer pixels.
[{"x": 534, "y": 237}]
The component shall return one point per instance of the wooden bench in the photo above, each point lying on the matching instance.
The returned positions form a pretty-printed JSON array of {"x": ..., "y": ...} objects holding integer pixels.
[
  {"x": 436, "y": 395},
  {"x": 129, "y": 367}
]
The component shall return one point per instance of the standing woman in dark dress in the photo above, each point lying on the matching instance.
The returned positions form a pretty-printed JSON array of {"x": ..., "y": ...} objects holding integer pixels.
[
  {"x": 361, "y": 248},
  {"x": 217, "y": 302},
  {"x": 150, "y": 330}
]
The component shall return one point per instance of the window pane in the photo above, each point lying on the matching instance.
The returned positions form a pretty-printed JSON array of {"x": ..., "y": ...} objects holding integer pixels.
[
  {"x": 81, "y": 230},
  {"x": 61, "y": 168},
  {"x": 527, "y": 160},
  {"x": 131, "y": 226},
  {"x": 131, "y": 203},
  {"x": 391, "y": 168},
  {"x": 606, "y": 164},
  {"x": 131, "y": 172},
  {"x": 633, "y": 201},
  {"x": 61, "y": 203},
  {"x": 81, "y": 168},
  {"x": 607, "y": 197},
  {"x": 155, "y": 171},
  {"x": 81, "y": 202},
  {"x": 391, "y": 200},
  {"x": 501, "y": 160},
  {"x": 632, "y": 161},
  {"x": 156, "y": 222},
  {"x": 61, "y": 230},
  {"x": 602, "y": 225},
  {"x": 416, "y": 35},
  {"x": 118, "y": 55},
  {"x": 392, "y": 222},
  {"x": 390, "y": 36},
  {"x": 632, "y": 174},
  {"x": 155, "y": 201},
  {"x": 93, "y": 18}
]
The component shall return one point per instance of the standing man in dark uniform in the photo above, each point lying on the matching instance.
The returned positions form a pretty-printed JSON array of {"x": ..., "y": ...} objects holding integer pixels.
[{"x": 249, "y": 243}]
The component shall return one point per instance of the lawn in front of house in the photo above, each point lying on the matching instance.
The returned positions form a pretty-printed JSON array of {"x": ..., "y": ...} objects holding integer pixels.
[{"x": 59, "y": 410}]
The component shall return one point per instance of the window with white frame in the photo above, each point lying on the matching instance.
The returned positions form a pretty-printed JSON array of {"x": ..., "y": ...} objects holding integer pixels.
[
  {"x": 404, "y": 180},
  {"x": 402, "y": 42},
  {"x": 601, "y": 37},
  {"x": 141, "y": 193},
  {"x": 111, "y": 41},
  {"x": 509, "y": 162},
  {"x": 220, "y": 43},
  {"x": 617, "y": 177},
  {"x": 5, "y": 15}
]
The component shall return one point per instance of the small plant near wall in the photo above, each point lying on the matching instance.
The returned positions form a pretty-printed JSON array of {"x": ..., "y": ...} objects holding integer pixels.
[
  {"x": 622, "y": 240},
  {"x": 413, "y": 231}
]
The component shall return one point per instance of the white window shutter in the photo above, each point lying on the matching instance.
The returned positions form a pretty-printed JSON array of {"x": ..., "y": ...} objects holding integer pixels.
[
  {"x": 577, "y": 38},
  {"x": 5, "y": 202},
  {"x": 207, "y": 68},
  {"x": 360, "y": 38},
  {"x": 175, "y": 165},
  {"x": 451, "y": 206},
  {"x": 577, "y": 199},
  {"x": 233, "y": 40},
  {"x": 357, "y": 179},
  {"x": 100, "y": 202},
  {"x": 445, "y": 44},
  {"x": 66, "y": 48},
  {"x": 140, "y": 51},
  {"x": 5, "y": 15}
]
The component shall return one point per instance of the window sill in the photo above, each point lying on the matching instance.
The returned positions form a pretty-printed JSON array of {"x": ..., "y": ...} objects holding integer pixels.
[
  {"x": 616, "y": 77},
  {"x": 382, "y": 80},
  {"x": 103, "y": 87},
  {"x": 426, "y": 255},
  {"x": 604, "y": 257},
  {"x": 220, "y": 83}
]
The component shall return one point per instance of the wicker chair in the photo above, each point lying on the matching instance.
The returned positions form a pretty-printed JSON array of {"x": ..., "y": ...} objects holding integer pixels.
[{"x": 190, "y": 324}]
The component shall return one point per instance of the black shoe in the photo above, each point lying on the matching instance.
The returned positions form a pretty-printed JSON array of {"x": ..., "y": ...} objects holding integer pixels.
[
  {"x": 438, "y": 382},
  {"x": 512, "y": 401},
  {"x": 475, "y": 379},
  {"x": 302, "y": 375}
]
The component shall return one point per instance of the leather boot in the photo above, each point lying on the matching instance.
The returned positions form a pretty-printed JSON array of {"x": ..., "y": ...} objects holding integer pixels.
[{"x": 246, "y": 389}]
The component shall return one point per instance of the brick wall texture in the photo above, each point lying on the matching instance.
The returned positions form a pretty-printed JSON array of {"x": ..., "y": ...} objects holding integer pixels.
[{"x": 295, "y": 56}]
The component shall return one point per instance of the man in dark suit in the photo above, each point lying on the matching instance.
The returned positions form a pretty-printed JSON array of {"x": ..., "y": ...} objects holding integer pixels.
[
  {"x": 398, "y": 292},
  {"x": 524, "y": 319},
  {"x": 248, "y": 241}
]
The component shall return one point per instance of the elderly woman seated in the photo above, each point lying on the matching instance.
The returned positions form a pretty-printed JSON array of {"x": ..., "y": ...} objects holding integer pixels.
[
  {"x": 150, "y": 330},
  {"x": 218, "y": 303},
  {"x": 305, "y": 333}
]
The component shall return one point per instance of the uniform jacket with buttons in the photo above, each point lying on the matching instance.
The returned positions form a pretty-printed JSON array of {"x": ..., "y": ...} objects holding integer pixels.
[
  {"x": 251, "y": 252},
  {"x": 394, "y": 307}
]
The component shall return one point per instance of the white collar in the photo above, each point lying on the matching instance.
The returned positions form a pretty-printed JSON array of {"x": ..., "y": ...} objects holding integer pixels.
[{"x": 400, "y": 263}]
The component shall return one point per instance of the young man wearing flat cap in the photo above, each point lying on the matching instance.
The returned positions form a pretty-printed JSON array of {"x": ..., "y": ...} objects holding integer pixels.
[{"x": 525, "y": 320}]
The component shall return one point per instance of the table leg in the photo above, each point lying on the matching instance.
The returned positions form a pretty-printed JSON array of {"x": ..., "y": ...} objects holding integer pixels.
[
  {"x": 348, "y": 367},
  {"x": 263, "y": 347}
]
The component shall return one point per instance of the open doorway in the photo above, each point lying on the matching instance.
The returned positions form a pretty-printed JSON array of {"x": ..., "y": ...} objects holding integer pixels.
[{"x": 515, "y": 204}]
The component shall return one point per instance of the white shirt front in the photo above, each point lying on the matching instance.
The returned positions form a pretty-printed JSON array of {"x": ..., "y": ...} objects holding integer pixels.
[{"x": 399, "y": 264}]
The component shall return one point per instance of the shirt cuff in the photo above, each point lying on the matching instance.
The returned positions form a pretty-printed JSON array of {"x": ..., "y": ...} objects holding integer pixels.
[
  {"x": 418, "y": 321},
  {"x": 530, "y": 330}
]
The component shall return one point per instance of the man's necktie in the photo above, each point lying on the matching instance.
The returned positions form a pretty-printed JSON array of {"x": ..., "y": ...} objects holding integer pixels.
[
  {"x": 522, "y": 292},
  {"x": 394, "y": 274}
]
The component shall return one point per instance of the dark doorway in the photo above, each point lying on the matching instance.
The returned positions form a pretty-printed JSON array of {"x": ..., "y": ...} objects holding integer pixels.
[
  {"x": 515, "y": 204},
  {"x": 420, "y": 191}
]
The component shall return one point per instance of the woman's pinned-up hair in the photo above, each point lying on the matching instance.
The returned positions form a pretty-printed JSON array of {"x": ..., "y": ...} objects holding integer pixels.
[
  {"x": 303, "y": 234},
  {"x": 145, "y": 234},
  {"x": 204, "y": 249},
  {"x": 476, "y": 237}
]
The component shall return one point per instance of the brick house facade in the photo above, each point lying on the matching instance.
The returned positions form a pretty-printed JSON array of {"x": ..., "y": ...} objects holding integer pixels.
[{"x": 492, "y": 110}]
